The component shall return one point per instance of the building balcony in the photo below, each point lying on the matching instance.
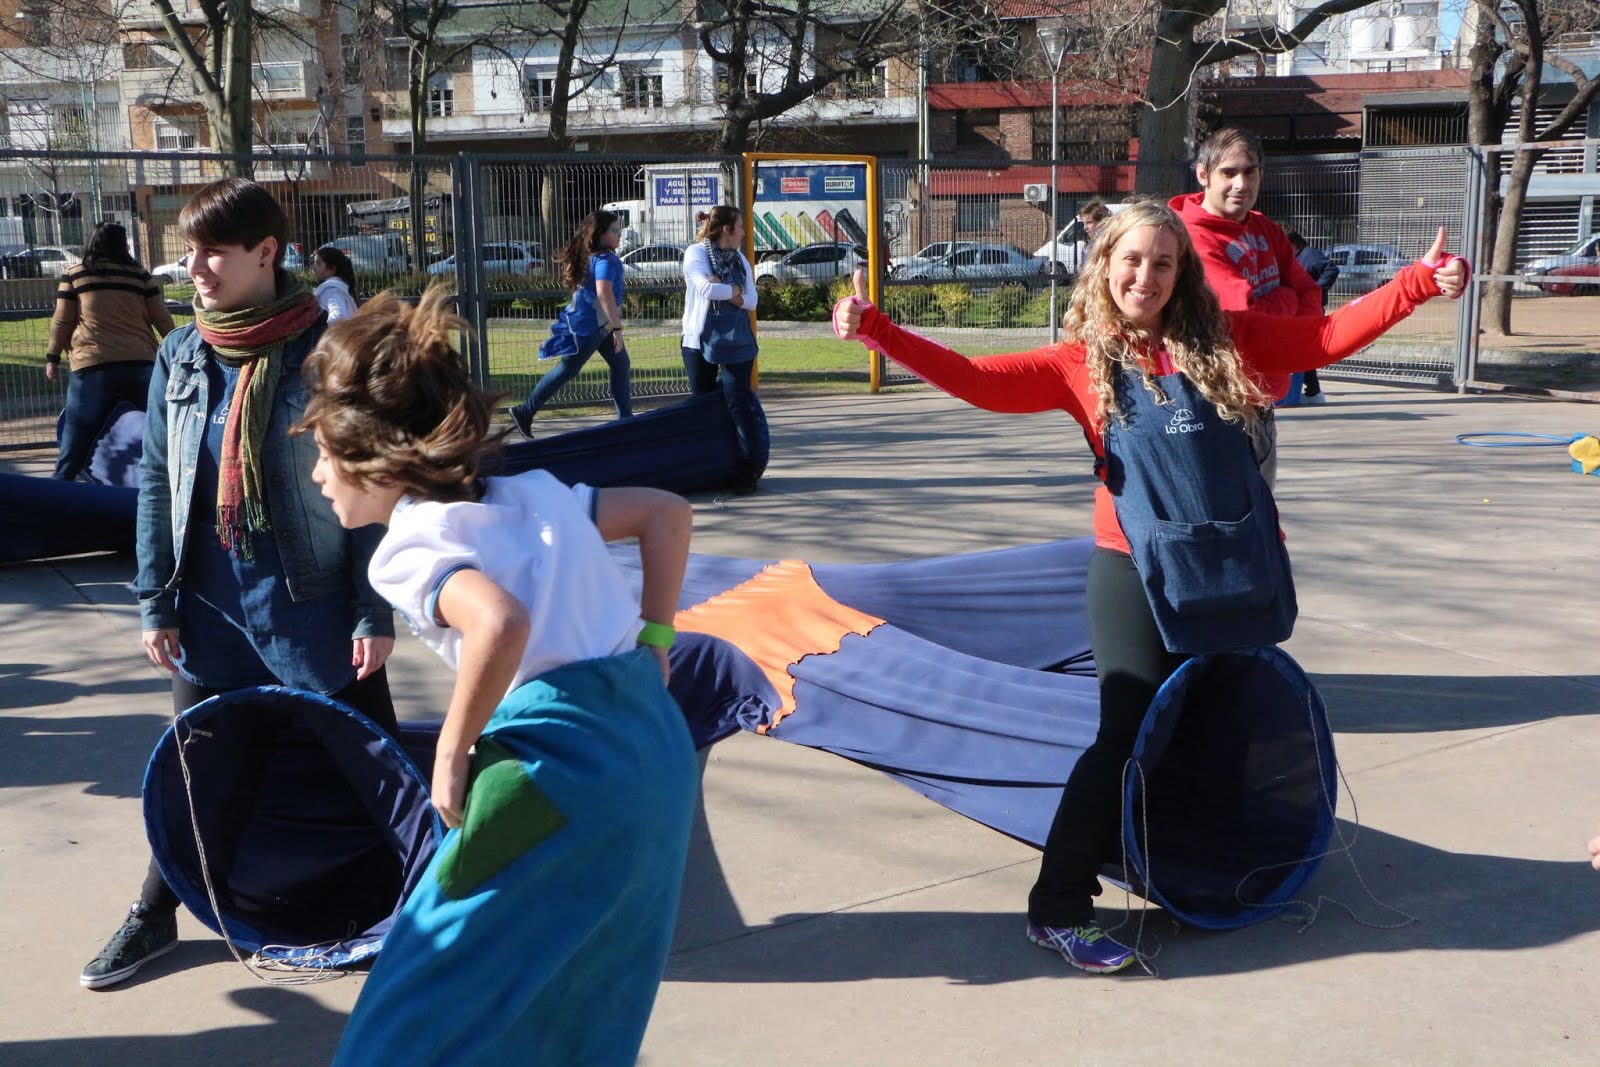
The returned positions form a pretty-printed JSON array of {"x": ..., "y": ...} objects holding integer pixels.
[{"x": 598, "y": 121}]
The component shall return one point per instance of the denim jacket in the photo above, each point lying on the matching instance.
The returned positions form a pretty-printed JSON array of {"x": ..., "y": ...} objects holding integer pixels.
[{"x": 319, "y": 556}]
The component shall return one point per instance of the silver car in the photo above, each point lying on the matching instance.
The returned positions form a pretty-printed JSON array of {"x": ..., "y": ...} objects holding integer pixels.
[
  {"x": 653, "y": 265},
  {"x": 1363, "y": 268},
  {"x": 813, "y": 263},
  {"x": 981, "y": 263}
]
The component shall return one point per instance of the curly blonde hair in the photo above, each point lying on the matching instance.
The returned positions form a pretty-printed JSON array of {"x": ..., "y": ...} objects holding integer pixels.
[
  {"x": 1193, "y": 328},
  {"x": 393, "y": 403}
]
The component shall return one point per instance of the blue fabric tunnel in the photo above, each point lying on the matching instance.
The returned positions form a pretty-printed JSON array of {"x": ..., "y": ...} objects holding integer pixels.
[
  {"x": 1229, "y": 805},
  {"x": 315, "y": 823}
]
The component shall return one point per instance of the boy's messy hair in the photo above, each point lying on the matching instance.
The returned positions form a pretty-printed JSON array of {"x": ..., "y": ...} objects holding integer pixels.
[{"x": 393, "y": 403}]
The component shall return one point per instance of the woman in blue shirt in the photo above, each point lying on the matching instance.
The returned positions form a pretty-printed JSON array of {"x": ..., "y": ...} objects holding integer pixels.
[{"x": 591, "y": 322}]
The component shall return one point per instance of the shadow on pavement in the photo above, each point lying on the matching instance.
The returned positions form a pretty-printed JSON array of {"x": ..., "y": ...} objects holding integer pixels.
[
  {"x": 294, "y": 1025},
  {"x": 1460, "y": 901},
  {"x": 1399, "y": 704}
]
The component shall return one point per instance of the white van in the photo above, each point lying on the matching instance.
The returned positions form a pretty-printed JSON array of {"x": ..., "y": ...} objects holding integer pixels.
[
  {"x": 382, "y": 253},
  {"x": 1073, "y": 242}
]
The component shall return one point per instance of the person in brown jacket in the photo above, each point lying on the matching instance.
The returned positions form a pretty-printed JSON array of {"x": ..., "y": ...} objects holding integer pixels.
[{"x": 108, "y": 315}]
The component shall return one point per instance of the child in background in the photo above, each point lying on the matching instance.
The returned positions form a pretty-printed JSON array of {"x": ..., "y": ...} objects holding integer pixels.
[{"x": 564, "y": 770}]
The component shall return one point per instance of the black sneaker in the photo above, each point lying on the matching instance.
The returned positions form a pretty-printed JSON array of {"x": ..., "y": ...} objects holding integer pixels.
[
  {"x": 145, "y": 935},
  {"x": 522, "y": 420}
]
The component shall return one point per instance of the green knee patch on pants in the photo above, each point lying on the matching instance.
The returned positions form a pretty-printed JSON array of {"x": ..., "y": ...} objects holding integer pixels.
[{"x": 506, "y": 816}]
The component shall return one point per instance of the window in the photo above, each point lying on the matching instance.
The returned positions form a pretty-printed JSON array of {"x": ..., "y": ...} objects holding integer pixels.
[
  {"x": 36, "y": 26},
  {"x": 870, "y": 84},
  {"x": 638, "y": 86},
  {"x": 5, "y": 130},
  {"x": 350, "y": 57},
  {"x": 295, "y": 132},
  {"x": 69, "y": 128},
  {"x": 541, "y": 92},
  {"x": 355, "y": 139},
  {"x": 280, "y": 78},
  {"x": 977, "y": 213},
  {"x": 177, "y": 134},
  {"x": 724, "y": 85},
  {"x": 1367, "y": 257},
  {"x": 441, "y": 97},
  {"x": 144, "y": 55}
]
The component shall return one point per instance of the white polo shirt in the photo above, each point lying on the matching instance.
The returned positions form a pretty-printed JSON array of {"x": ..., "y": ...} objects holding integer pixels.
[{"x": 534, "y": 537}]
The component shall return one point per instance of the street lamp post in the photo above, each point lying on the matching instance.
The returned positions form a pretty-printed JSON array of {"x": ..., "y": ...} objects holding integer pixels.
[{"x": 1053, "y": 38}]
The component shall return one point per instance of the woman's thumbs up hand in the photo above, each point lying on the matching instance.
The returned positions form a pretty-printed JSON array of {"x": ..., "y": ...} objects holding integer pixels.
[
  {"x": 1451, "y": 272},
  {"x": 847, "y": 313}
]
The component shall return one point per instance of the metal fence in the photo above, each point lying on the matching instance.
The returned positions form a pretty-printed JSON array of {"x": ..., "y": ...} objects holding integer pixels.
[
  {"x": 1543, "y": 337},
  {"x": 965, "y": 245}
]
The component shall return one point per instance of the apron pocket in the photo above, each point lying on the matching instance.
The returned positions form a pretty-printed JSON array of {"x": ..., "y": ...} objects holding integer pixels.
[{"x": 1210, "y": 567}]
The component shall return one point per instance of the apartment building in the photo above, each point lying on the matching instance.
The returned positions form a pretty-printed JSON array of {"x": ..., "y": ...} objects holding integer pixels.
[
  {"x": 59, "y": 92},
  {"x": 643, "y": 87},
  {"x": 1385, "y": 37}
]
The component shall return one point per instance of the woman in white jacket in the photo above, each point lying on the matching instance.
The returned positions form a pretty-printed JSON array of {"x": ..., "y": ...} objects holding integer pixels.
[
  {"x": 719, "y": 343},
  {"x": 336, "y": 277}
]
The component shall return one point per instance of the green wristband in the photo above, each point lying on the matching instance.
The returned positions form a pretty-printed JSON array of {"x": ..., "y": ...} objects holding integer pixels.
[{"x": 657, "y": 635}]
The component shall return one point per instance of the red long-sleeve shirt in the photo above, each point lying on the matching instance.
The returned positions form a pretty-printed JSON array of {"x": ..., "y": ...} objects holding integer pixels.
[
  {"x": 1056, "y": 376},
  {"x": 1251, "y": 266}
]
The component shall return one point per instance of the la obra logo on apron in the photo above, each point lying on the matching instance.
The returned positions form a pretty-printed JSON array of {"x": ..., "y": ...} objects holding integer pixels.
[{"x": 1183, "y": 421}]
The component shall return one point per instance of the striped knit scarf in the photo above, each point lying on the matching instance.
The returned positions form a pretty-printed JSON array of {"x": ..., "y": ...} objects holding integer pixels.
[
  {"x": 251, "y": 341},
  {"x": 725, "y": 263}
]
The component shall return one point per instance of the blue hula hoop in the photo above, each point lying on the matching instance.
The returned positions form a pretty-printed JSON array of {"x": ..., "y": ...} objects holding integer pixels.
[{"x": 1532, "y": 440}]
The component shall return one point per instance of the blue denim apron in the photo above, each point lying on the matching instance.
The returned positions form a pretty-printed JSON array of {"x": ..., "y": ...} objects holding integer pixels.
[{"x": 1200, "y": 520}]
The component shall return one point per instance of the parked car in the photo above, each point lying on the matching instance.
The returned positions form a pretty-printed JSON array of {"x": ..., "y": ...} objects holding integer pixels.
[
  {"x": 54, "y": 261},
  {"x": 929, "y": 254},
  {"x": 18, "y": 261},
  {"x": 1363, "y": 268},
  {"x": 499, "y": 257},
  {"x": 1581, "y": 260},
  {"x": 172, "y": 273},
  {"x": 382, "y": 253},
  {"x": 821, "y": 262},
  {"x": 294, "y": 257},
  {"x": 653, "y": 265},
  {"x": 981, "y": 263},
  {"x": 48, "y": 261}
]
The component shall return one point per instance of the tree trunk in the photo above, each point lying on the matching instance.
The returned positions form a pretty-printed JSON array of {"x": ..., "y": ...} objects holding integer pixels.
[
  {"x": 734, "y": 135},
  {"x": 1164, "y": 121},
  {"x": 1497, "y": 295},
  {"x": 235, "y": 133},
  {"x": 416, "y": 212}
]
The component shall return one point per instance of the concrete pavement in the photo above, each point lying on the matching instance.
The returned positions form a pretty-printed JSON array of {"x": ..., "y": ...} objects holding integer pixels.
[{"x": 832, "y": 917}]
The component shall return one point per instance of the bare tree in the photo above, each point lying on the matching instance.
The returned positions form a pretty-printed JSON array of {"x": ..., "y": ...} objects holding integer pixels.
[
  {"x": 1181, "y": 48},
  {"x": 217, "y": 59},
  {"x": 70, "y": 44},
  {"x": 1513, "y": 42},
  {"x": 774, "y": 55}
]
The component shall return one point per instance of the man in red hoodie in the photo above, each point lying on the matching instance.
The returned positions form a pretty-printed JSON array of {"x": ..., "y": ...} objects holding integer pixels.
[{"x": 1249, "y": 261}]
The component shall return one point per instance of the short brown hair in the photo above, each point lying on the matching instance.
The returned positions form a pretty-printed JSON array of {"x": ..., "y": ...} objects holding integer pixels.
[
  {"x": 1222, "y": 141},
  {"x": 393, "y": 403},
  {"x": 234, "y": 211},
  {"x": 1094, "y": 211},
  {"x": 720, "y": 218}
]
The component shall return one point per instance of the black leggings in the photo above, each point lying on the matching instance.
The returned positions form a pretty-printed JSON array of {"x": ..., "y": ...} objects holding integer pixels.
[
  {"x": 1131, "y": 662},
  {"x": 370, "y": 696}
]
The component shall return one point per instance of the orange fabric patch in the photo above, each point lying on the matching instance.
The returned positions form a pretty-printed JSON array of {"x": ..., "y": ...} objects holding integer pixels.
[{"x": 777, "y": 619}]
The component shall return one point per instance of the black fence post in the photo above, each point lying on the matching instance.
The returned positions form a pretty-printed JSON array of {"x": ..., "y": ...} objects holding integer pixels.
[{"x": 466, "y": 179}]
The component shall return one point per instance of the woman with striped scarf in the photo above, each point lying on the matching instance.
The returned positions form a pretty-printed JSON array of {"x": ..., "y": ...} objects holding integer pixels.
[{"x": 245, "y": 576}]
